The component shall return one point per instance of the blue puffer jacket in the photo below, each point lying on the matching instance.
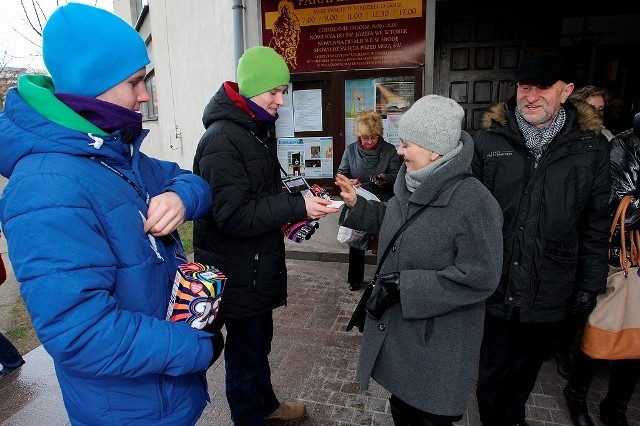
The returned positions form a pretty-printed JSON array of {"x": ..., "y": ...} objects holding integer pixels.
[{"x": 95, "y": 285}]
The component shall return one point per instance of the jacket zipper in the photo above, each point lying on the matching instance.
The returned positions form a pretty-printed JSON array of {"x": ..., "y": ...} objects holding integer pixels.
[{"x": 256, "y": 258}]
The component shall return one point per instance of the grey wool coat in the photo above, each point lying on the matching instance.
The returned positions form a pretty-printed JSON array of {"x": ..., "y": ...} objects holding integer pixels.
[{"x": 425, "y": 349}]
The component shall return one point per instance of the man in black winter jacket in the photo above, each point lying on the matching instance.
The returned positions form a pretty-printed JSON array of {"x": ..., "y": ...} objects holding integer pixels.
[
  {"x": 242, "y": 233},
  {"x": 545, "y": 162}
]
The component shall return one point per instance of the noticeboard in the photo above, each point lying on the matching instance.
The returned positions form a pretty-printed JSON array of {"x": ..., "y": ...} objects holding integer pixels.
[{"x": 326, "y": 35}]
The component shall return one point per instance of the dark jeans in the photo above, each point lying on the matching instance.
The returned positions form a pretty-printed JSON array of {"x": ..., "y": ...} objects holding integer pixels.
[
  {"x": 248, "y": 375},
  {"x": 10, "y": 358},
  {"x": 356, "y": 266},
  {"x": 511, "y": 355},
  {"x": 404, "y": 414}
]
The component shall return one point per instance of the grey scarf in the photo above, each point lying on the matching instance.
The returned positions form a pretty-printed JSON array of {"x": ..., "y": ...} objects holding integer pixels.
[
  {"x": 538, "y": 140},
  {"x": 415, "y": 178}
]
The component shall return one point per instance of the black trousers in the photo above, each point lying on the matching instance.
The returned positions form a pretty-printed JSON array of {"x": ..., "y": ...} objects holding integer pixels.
[
  {"x": 511, "y": 355},
  {"x": 356, "y": 266}
]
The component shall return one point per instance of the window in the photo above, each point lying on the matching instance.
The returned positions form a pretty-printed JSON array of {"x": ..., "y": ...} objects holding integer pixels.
[
  {"x": 136, "y": 8},
  {"x": 150, "y": 109}
]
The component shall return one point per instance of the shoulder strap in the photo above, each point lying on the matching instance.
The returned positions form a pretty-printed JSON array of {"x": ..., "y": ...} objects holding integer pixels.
[
  {"x": 619, "y": 220},
  {"x": 450, "y": 182}
]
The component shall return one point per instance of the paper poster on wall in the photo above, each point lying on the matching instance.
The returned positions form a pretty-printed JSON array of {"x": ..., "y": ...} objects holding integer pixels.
[
  {"x": 307, "y": 110},
  {"x": 390, "y": 126},
  {"x": 291, "y": 155},
  {"x": 318, "y": 157},
  {"x": 359, "y": 95},
  {"x": 394, "y": 94},
  {"x": 284, "y": 123},
  {"x": 288, "y": 96},
  {"x": 349, "y": 137},
  {"x": 310, "y": 157}
]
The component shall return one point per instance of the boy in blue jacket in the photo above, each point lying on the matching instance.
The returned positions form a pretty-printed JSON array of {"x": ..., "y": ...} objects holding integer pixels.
[{"x": 91, "y": 226}]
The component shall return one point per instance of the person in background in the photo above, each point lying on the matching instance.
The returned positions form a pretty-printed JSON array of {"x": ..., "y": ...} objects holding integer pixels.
[
  {"x": 565, "y": 338},
  {"x": 597, "y": 98},
  {"x": 424, "y": 346},
  {"x": 616, "y": 116},
  {"x": 546, "y": 164},
  {"x": 624, "y": 374},
  {"x": 10, "y": 358},
  {"x": 242, "y": 233},
  {"x": 90, "y": 223},
  {"x": 371, "y": 163}
]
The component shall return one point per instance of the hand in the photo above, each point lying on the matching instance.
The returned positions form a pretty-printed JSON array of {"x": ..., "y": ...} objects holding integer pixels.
[
  {"x": 217, "y": 342},
  {"x": 386, "y": 293},
  {"x": 583, "y": 303},
  {"x": 165, "y": 213},
  {"x": 317, "y": 207},
  {"x": 391, "y": 282},
  {"x": 347, "y": 190},
  {"x": 378, "y": 180}
]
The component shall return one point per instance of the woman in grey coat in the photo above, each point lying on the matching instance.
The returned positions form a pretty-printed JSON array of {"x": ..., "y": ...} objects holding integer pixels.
[
  {"x": 424, "y": 347},
  {"x": 370, "y": 163}
]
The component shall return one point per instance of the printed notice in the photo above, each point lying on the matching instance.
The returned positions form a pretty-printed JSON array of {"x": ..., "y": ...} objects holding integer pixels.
[{"x": 307, "y": 110}]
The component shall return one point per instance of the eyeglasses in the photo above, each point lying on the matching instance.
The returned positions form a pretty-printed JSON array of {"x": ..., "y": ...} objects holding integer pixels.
[{"x": 369, "y": 138}]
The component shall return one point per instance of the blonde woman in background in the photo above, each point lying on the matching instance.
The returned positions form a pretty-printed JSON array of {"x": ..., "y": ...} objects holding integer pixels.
[{"x": 371, "y": 163}]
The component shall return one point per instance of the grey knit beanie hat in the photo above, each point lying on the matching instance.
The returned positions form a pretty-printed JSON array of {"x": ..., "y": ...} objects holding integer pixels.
[{"x": 433, "y": 122}]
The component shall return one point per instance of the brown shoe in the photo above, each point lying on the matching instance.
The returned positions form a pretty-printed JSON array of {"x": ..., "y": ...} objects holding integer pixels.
[{"x": 290, "y": 410}]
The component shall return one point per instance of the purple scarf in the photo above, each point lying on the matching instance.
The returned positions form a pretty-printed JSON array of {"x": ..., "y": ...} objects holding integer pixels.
[
  {"x": 105, "y": 115},
  {"x": 261, "y": 113}
]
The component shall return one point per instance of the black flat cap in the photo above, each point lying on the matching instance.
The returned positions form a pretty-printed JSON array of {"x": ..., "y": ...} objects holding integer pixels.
[{"x": 545, "y": 69}]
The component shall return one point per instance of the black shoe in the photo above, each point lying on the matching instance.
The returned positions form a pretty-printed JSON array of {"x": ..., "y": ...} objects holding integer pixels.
[
  {"x": 355, "y": 286},
  {"x": 613, "y": 414},
  {"x": 577, "y": 405}
]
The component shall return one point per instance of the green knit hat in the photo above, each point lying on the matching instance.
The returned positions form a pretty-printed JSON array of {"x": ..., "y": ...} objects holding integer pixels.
[{"x": 261, "y": 69}]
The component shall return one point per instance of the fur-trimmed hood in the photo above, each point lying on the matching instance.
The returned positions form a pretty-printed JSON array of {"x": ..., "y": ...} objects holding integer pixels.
[{"x": 588, "y": 117}]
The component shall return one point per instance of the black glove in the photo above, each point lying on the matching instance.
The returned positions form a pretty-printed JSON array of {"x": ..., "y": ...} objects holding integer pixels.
[
  {"x": 217, "y": 342},
  {"x": 583, "y": 303},
  {"x": 378, "y": 180},
  {"x": 386, "y": 293}
]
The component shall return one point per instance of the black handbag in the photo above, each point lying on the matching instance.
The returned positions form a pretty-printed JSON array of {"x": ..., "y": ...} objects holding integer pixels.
[{"x": 360, "y": 313}]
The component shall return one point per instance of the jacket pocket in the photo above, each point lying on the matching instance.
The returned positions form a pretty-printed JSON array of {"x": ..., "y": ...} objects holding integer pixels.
[
  {"x": 557, "y": 278},
  {"x": 579, "y": 182}
]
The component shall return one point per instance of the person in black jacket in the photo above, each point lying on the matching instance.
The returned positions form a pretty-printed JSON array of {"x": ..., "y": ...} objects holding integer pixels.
[
  {"x": 242, "y": 233},
  {"x": 545, "y": 162},
  {"x": 624, "y": 374}
]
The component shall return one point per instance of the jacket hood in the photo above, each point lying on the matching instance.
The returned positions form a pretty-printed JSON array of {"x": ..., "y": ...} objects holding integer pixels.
[
  {"x": 228, "y": 104},
  {"x": 588, "y": 117},
  {"x": 36, "y": 122}
]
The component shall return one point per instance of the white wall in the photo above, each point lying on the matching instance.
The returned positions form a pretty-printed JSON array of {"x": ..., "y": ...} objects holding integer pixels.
[{"x": 192, "y": 45}]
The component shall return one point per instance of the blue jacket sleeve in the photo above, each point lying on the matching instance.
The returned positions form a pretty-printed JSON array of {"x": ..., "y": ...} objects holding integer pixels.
[{"x": 193, "y": 190}]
